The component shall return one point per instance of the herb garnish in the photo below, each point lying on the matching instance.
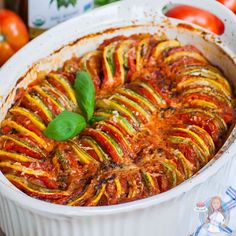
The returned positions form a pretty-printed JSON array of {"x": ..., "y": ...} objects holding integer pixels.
[{"x": 69, "y": 124}]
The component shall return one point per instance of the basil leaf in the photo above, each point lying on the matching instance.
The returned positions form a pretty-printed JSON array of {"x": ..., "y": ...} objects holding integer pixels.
[
  {"x": 85, "y": 93},
  {"x": 96, "y": 119},
  {"x": 65, "y": 126}
]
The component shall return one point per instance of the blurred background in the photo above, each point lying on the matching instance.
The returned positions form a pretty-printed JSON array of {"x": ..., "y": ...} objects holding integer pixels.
[{"x": 23, "y": 20}]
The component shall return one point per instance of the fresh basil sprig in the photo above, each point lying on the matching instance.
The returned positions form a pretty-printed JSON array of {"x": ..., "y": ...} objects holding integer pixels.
[
  {"x": 85, "y": 93},
  {"x": 69, "y": 124},
  {"x": 65, "y": 126}
]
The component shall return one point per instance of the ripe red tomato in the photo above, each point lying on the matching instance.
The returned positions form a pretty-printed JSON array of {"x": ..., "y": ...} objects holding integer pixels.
[
  {"x": 231, "y": 4},
  {"x": 197, "y": 16},
  {"x": 13, "y": 34}
]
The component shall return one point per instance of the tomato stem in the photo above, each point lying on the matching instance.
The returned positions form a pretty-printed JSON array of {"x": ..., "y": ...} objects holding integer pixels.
[{"x": 2, "y": 37}]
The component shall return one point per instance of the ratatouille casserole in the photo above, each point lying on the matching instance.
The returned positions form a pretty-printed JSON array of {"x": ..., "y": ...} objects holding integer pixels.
[{"x": 159, "y": 113}]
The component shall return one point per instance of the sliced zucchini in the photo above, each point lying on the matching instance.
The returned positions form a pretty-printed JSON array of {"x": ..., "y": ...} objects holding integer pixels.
[
  {"x": 119, "y": 191},
  {"x": 118, "y": 119},
  {"x": 109, "y": 64},
  {"x": 35, "y": 100},
  {"x": 209, "y": 92},
  {"x": 177, "y": 55},
  {"x": 49, "y": 97},
  {"x": 158, "y": 98},
  {"x": 115, "y": 133},
  {"x": 121, "y": 56},
  {"x": 16, "y": 156},
  {"x": 106, "y": 142},
  {"x": 96, "y": 147},
  {"x": 202, "y": 81},
  {"x": 23, "y": 144},
  {"x": 30, "y": 115},
  {"x": 148, "y": 180},
  {"x": 208, "y": 72},
  {"x": 141, "y": 100},
  {"x": 24, "y": 131},
  {"x": 142, "y": 51},
  {"x": 220, "y": 123},
  {"x": 95, "y": 200},
  {"x": 109, "y": 104},
  {"x": 166, "y": 45},
  {"x": 201, "y": 155},
  {"x": 83, "y": 196},
  {"x": 24, "y": 170},
  {"x": 35, "y": 190},
  {"x": 64, "y": 83},
  {"x": 61, "y": 97},
  {"x": 173, "y": 175},
  {"x": 83, "y": 156},
  {"x": 202, "y": 103},
  {"x": 137, "y": 110},
  {"x": 200, "y": 131},
  {"x": 187, "y": 165},
  {"x": 196, "y": 139}
]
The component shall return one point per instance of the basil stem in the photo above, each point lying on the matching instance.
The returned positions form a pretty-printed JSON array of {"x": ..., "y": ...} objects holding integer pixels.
[{"x": 95, "y": 119}]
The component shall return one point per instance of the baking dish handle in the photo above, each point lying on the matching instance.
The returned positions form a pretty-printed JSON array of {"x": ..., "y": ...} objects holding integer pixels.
[{"x": 228, "y": 18}]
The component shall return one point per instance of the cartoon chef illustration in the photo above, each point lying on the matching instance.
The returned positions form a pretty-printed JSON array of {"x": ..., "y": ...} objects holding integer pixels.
[
  {"x": 213, "y": 218},
  {"x": 216, "y": 216}
]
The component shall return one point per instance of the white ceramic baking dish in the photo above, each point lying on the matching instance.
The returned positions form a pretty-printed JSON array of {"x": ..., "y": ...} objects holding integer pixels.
[{"x": 167, "y": 214}]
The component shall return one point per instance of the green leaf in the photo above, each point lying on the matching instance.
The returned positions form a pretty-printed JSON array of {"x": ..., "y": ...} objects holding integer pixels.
[
  {"x": 85, "y": 93},
  {"x": 104, "y": 2},
  {"x": 95, "y": 119},
  {"x": 73, "y": 2},
  {"x": 65, "y": 126},
  {"x": 101, "y": 2}
]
